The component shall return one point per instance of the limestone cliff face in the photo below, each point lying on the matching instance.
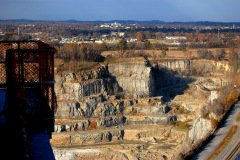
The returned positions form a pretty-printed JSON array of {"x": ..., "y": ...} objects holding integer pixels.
[
  {"x": 134, "y": 77},
  {"x": 138, "y": 79},
  {"x": 92, "y": 107},
  {"x": 171, "y": 73},
  {"x": 81, "y": 125},
  {"x": 175, "y": 65},
  {"x": 74, "y": 91},
  {"x": 74, "y": 87},
  {"x": 201, "y": 128},
  {"x": 86, "y": 94},
  {"x": 210, "y": 66},
  {"x": 203, "y": 64}
]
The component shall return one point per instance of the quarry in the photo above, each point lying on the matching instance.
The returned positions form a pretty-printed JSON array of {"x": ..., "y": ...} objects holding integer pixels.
[
  {"x": 136, "y": 108},
  {"x": 121, "y": 90}
]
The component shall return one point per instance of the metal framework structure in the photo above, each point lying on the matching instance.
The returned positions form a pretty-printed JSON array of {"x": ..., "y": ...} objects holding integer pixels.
[{"x": 27, "y": 75}]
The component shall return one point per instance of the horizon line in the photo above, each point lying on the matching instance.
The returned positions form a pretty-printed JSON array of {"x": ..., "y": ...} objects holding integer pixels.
[{"x": 69, "y": 20}]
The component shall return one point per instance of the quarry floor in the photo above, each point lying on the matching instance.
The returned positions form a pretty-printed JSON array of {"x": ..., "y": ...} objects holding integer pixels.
[{"x": 143, "y": 148}]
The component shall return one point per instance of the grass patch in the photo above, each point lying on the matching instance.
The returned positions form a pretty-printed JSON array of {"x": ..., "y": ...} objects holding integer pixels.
[
  {"x": 181, "y": 125},
  {"x": 238, "y": 117},
  {"x": 224, "y": 143}
]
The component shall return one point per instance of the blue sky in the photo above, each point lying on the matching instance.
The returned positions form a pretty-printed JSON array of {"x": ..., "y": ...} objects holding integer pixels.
[{"x": 90, "y": 10}]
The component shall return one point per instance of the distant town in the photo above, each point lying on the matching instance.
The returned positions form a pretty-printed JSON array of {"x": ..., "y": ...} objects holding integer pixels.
[{"x": 168, "y": 34}]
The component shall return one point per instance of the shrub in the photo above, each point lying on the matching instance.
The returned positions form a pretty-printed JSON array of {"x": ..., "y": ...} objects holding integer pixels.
[
  {"x": 181, "y": 156},
  {"x": 214, "y": 123},
  {"x": 80, "y": 52},
  {"x": 179, "y": 108},
  {"x": 220, "y": 54},
  {"x": 119, "y": 114},
  {"x": 226, "y": 99},
  {"x": 171, "y": 123},
  {"x": 133, "y": 112},
  {"x": 93, "y": 125},
  {"x": 205, "y": 54},
  {"x": 238, "y": 117},
  {"x": 231, "y": 99},
  {"x": 204, "y": 111}
]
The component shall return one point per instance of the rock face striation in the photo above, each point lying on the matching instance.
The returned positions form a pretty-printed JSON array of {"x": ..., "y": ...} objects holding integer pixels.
[
  {"x": 138, "y": 79},
  {"x": 117, "y": 135},
  {"x": 201, "y": 128},
  {"x": 73, "y": 87},
  {"x": 135, "y": 78}
]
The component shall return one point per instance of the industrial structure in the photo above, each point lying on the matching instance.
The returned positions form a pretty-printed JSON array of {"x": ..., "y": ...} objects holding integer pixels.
[{"x": 27, "y": 97}]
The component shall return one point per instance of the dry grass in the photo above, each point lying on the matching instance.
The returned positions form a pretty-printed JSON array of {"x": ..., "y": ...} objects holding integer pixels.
[
  {"x": 224, "y": 143},
  {"x": 74, "y": 66},
  {"x": 175, "y": 54},
  {"x": 171, "y": 53},
  {"x": 125, "y": 60}
]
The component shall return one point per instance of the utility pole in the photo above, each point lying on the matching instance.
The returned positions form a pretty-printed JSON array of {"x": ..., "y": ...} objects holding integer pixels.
[{"x": 218, "y": 38}]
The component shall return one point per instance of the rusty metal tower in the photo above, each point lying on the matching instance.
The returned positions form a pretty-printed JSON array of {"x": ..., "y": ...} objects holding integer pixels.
[{"x": 27, "y": 100}]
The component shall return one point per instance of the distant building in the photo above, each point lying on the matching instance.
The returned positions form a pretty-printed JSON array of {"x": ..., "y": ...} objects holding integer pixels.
[
  {"x": 114, "y": 33},
  {"x": 179, "y": 44},
  {"x": 116, "y": 24},
  {"x": 105, "y": 26},
  {"x": 208, "y": 28},
  {"x": 175, "y": 37},
  {"x": 121, "y": 34},
  {"x": 111, "y": 25},
  {"x": 132, "y": 39},
  {"x": 175, "y": 44},
  {"x": 99, "y": 41}
]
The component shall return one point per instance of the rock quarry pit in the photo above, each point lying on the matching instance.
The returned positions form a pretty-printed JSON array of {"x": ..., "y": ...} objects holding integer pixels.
[{"x": 127, "y": 110}]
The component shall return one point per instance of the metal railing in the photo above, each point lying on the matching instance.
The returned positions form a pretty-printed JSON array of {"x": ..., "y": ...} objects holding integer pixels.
[{"x": 34, "y": 69}]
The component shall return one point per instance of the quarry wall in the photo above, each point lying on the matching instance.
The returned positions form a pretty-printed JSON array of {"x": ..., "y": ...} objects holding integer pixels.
[{"x": 137, "y": 79}]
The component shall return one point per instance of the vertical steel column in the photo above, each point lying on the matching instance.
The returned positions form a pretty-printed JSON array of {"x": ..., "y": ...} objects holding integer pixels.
[
  {"x": 19, "y": 60},
  {"x": 22, "y": 69},
  {"x": 53, "y": 94}
]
